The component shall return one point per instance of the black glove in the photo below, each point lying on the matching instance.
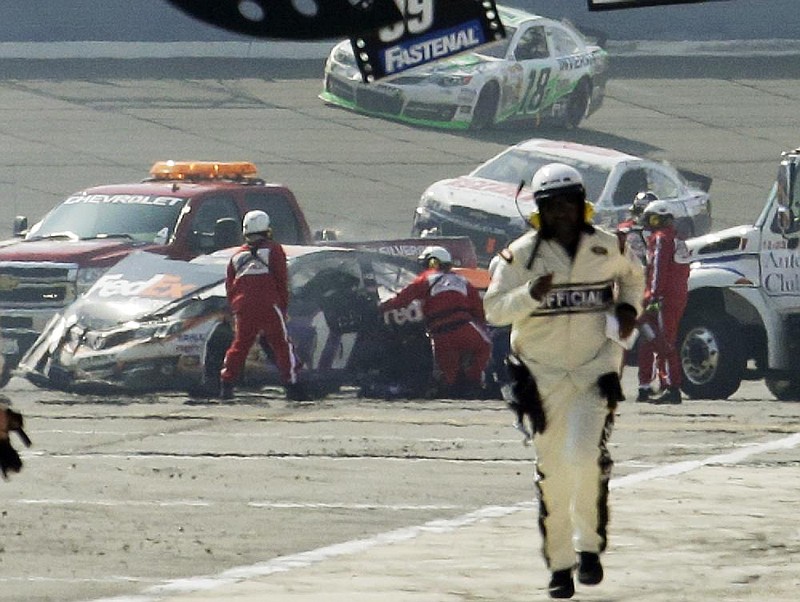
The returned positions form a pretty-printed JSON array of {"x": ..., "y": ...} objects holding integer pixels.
[
  {"x": 611, "y": 388},
  {"x": 626, "y": 316},
  {"x": 11, "y": 421},
  {"x": 524, "y": 399}
]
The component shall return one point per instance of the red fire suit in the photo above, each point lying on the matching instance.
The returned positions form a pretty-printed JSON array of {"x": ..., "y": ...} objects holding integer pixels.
[
  {"x": 666, "y": 292},
  {"x": 633, "y": 237},
  {"x": 258, "y": 292},
  {"x": 455, "y": 321}
]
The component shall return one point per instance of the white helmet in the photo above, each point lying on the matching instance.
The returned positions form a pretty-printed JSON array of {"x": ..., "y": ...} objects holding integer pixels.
[
  {"x": 255, "y": 222},
  {"x": 555, "y": 179},
  {"x": 657, "y": 214},
  {"x": 641, "y": 201},
  {"x": 433, "y": 252}
]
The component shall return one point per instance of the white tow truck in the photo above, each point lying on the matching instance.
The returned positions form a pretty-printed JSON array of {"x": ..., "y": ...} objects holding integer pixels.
[{"x": 742, "y": 320}]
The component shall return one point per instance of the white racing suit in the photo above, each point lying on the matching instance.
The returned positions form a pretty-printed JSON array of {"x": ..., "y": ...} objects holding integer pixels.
[{"x": 562, "y": 341}]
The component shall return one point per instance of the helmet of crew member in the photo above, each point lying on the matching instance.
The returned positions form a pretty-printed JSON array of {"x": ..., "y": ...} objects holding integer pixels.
[
  {"x": 440, "y": 254},
  {"x": 255, "y": 222},
  {"x": 640, "y": 202},
  {"x": 658, "y": 214},
  {"x": 556, "y": 179},
  {"x": 559, "y": 180}
]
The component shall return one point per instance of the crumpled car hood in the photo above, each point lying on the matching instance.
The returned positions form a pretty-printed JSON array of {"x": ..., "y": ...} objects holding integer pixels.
[
  {"x": 484, "y": 195},
  {"x": 141, "y": 284}
]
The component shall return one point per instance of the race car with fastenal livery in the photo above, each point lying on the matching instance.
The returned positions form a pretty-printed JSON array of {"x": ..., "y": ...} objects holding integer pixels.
[{"x": 544, "y": 72}]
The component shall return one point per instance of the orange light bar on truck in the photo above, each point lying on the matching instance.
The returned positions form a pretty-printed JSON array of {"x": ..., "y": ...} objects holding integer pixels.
[{"x": 206, "y": 170}]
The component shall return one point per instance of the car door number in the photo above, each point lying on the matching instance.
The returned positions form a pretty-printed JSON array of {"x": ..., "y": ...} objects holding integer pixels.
[
  {"x": 417, "y": 18},
  {"x": 534, "y": 95}
]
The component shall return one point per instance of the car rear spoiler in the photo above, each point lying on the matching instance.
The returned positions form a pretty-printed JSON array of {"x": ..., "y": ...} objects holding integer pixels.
[
  {"x": 592, "y": 34},
  {"x": 696, "y": 179},
  {"x": 460, "y": 247}
]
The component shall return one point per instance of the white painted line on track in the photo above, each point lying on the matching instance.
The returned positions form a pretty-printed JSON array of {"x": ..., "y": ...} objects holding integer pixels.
[
  {"x": 729, "y": 458},
  {"x": 305, "y": 559}
]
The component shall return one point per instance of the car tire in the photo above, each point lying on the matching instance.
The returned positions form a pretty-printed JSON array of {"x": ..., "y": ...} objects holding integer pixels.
[
  {"x": 217, "y": 345},
  {"x": 713, "y": 361},
  {"x": 577, "y": 105},
  {"x": 485, "y": 111},
  {"x": 784, "y": 389}
]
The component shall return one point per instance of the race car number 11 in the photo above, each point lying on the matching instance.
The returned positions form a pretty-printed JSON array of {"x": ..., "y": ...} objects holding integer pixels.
[{"x": 417, "y": 18}]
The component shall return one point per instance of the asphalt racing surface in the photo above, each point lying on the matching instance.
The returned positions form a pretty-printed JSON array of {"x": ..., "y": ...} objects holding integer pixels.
[{"x": 157, "y": 498}]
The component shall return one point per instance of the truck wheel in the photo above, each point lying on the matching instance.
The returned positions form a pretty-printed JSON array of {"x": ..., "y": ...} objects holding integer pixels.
[
  {"x": 712, "y": 358},
  {"x": 784, "y": 389}
]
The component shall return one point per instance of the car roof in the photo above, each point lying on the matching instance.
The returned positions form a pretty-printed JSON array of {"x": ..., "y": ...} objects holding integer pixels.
[
  {"x": 514, "y": 16},
  {"x": 222, "y": 256},
  {"x": 595, "y": 155},
  {"x": 182, "y": 189}
]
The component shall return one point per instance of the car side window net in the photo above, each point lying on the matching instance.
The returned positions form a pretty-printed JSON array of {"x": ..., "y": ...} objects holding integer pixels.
[
  {"x": 532, "y": 45},
  {"x": 564, "y": 44}
]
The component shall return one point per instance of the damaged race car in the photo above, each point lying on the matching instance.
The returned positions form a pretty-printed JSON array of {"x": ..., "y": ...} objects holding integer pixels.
[
  {"x": 491, "y": 203},
  {"x": 156, "y": 324},
  {"x": 544, "y": 72}
]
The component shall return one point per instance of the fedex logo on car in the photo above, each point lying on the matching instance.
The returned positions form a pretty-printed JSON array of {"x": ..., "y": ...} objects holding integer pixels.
[{"x": 160, "y": 286}]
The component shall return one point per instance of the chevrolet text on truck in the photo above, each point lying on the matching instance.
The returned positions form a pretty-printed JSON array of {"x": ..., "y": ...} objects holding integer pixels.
[
  {"x": 184, "y": 209},
  {"x": 743, "y": 315}
]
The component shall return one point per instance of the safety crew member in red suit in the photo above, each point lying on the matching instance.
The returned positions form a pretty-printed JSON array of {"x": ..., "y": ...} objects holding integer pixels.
[
  {"x": 666, "y": 291},
  {"x": 258, "y": 293},
  {"x": 454, "y": 320},
  {"x": 630, "y": 230}
]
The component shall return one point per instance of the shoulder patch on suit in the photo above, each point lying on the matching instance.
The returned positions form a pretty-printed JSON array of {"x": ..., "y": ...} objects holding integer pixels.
[
  {"x": 507, "y": 255},
  {"x": 598, "y": 250}
]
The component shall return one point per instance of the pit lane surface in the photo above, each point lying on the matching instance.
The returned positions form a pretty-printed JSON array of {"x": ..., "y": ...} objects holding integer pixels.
[{"x": 120, "y": 495}]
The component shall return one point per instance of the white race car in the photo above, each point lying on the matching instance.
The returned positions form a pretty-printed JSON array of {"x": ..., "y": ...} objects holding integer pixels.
[
  {"x": 488, "y": 206},
  {"x": 544, "y": 71}
]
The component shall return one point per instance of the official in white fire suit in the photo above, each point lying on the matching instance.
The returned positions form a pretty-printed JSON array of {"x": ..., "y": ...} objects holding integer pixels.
[{"x": 560, "y": 287}]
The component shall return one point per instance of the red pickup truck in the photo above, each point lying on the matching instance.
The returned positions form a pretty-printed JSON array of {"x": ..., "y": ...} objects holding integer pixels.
[{"x": 184, "y": 209}]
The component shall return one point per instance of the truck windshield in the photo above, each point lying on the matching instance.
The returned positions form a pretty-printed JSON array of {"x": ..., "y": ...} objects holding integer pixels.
[{"x": 146, "y": 218}]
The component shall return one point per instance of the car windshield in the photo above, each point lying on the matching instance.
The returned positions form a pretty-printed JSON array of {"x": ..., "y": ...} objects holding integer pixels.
[
  {"x": 516, "y": 165},
  {"x": 136, "y": 216},
  {"x": 500, "y": 49}
]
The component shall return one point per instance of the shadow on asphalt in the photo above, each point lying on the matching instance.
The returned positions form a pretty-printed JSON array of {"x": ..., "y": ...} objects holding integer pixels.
[
  {"x": 512, "y": 134},
  {"x": 625, "y": 67}
]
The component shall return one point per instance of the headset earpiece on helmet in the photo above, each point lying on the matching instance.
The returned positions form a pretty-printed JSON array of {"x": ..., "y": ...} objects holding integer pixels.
[
  {"x": 657, "y": 214},
  {"x": 535, "y": 220}
]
